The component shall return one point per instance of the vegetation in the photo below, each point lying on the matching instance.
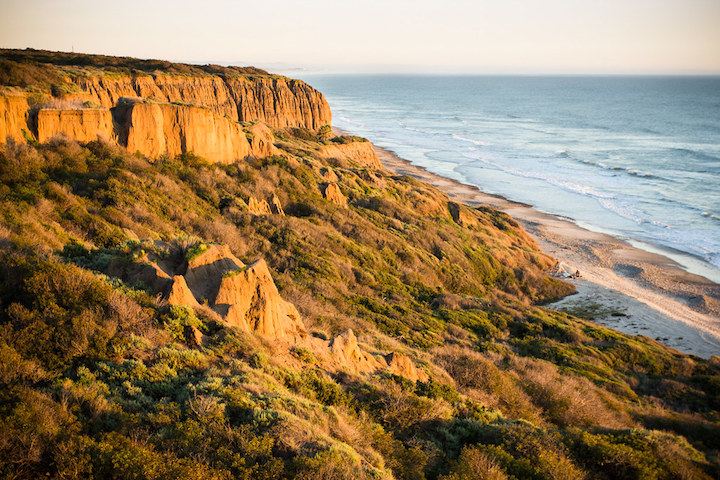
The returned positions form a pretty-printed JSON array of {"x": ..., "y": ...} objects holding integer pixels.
[
  {"x": 98, "y": 378},
  {"x": 43, "y": 68}
]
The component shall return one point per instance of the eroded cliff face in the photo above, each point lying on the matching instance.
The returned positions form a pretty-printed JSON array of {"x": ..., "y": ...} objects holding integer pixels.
[
  {"x": 277, "y": 101},
  {"x": 249, "y": 300},
  {"x": 358, "y": 153},
  {"x": 150, "y": 128},
  {"x": 211, "y": 279},
  {"x": 165, "y": 129},
  {"x": 82, "y": 125},
  {"x": 160, "y": 114},
  {"x": 13, "y": 115}
]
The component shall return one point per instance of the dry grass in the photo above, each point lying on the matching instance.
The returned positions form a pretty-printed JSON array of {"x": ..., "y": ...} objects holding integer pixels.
[
  {"x": 478, "y": 376},
  {"x": 566, "y": 399}
]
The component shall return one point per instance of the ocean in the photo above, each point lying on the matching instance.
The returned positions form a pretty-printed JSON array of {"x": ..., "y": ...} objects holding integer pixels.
[{"x": 636, "y": 157}]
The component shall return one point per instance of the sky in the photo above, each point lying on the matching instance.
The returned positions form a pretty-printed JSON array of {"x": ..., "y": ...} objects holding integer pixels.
[{"x": 398, "y": 36}]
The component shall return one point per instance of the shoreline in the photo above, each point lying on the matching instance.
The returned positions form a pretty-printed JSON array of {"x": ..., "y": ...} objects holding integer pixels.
[{"x": 622, "y": 286}]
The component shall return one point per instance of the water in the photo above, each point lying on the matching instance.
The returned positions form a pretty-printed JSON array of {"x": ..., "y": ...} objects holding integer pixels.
[{"x": 638, "y": 157}]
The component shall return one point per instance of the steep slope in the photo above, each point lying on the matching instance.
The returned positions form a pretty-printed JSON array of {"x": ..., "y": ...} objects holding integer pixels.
[{"x": 47, "y": 94}]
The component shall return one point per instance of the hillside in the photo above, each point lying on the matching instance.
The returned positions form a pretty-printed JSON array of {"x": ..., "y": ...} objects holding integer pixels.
[{"x": 285, "y": 307}]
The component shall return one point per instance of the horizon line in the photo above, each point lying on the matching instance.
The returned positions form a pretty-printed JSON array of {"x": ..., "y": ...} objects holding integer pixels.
[{"x": 288, "y": 68}]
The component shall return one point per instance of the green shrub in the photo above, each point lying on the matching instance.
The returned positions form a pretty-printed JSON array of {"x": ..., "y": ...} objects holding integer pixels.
[{"x": 177, "y": 319}]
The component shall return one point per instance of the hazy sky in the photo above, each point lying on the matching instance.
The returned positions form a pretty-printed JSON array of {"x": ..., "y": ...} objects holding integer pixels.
[{"x": 493, "y": 36}]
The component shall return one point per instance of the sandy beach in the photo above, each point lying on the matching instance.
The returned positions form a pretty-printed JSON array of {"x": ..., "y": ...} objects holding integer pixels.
[{"x": 621, "y": 286}]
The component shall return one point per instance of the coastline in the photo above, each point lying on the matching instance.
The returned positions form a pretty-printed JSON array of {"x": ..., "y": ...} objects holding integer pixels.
[{"x": 632, "y": 290}]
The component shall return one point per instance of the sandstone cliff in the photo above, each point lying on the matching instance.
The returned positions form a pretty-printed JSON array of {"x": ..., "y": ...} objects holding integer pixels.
[
  {"x": 277, "y": 101},
  {"x": 261, "y": 141},
  {"x": 80, "y": 124},
  {"x": 258, "y": 207},
  {"x": 333, "y": 194},
  {"x": 206, "y": 267},
  {"x": 350, "y": 357},
  {"x": 400, "y": 364},
  {"x": 165, "y": 129},
  {"x": 180, "y": 294},
  {"x": 276, "y": 205},
  {"x": 359, "y": 153},
  {"x": 13, "y": 115},
  {"x": 205, "y": 112}
]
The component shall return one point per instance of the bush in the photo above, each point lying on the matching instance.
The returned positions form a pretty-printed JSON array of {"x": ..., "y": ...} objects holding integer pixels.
[
  {"x": 59, "y": 312},
  {"x": 474, "y": 464},
  {"x": 177, "y": 320},
  {"x": 329, "y": 465},
  {"x": 317, "y": 386}
]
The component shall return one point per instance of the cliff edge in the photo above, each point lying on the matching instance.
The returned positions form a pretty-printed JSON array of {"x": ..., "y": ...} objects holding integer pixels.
[{"x": 149, "y": 107}]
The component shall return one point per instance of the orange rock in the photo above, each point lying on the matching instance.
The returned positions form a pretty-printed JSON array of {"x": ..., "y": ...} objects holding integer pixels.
[
  {"x": 276, "y": 206},
  {"x": 174, "y": 114},
  {"x": 333, "y": 194},
  {"x": 277, "y": 101},
  {"x": 400, "y": 364},
  {"x": 104, "y": 90},
  {"x": 350, "y": 357},
  {"x": 179, "y": 293},
  {"x": 13, "y": 115},
  {"x": 249, "y": 300},
  {"x": 258, "y": 207},
  {"x": 360, "y": 153},
  {"x": 462, "y": 215},
  {"x": 261, "y": 143},
  {"x": 207, "y": 91},
  {"x": 166, "y": 129},
  {"x": 327, "y": 174},
  {"x": 81, "y": 124},
  {"x": 205, "y": 270},
  {"x": 193, "y": 336}
]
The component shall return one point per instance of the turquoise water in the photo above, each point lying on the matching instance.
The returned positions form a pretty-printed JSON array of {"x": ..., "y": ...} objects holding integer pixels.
[{"x": 638, "y": 157}]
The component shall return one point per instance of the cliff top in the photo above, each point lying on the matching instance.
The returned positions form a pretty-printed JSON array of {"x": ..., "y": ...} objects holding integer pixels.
[{"x": 28, "y": 67}]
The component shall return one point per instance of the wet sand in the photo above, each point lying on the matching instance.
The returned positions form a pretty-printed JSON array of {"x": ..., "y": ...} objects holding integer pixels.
[{"x": 622, "y": 286}]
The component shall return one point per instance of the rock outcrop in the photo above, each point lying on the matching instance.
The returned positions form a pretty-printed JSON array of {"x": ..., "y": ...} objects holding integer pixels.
[
  {"x": 346, "y": 354},
  {"x": 179, "y": 293},
  {"x": 206, "y": 269},
  {"x": 276, "y": 206},
  {"x": 249, "y": 300},
  {"x": 333, "y": 194},
  {"x": 13, "y": 115},
  {"x": 359, "y": 153},
  {"x": 400, "y": 364},
  {"x": 350, "y": 357},
  {"x": 261, "y": 141},
  {"x": 244, "y": 296},
  {"x": 193, "y": 336},
  {"x": 462, "y": 215},
  {"x": 165, "y": 129},
  {"x": 80, "y": 124},
  {"x": 277, "y": 101},
  {"x": 258, "y": 207}
]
